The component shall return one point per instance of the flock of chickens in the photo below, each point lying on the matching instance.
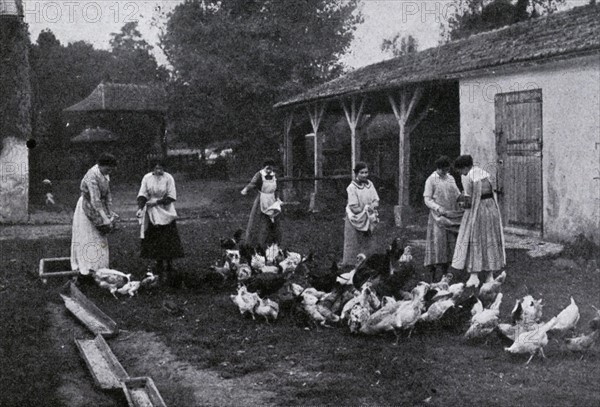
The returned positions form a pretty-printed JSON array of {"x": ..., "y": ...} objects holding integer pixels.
[{"x": 371, "y": 298}]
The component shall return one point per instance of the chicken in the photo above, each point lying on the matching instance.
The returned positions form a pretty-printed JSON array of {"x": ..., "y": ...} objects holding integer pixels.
[
  {"x": 130, "y": 288},
  {"x": 234, "y": 242},
  {"x": 437, "y": 310},
  {"x": 110, "y": 279},
  {"x": 347, "y": 278},
  {"x": 488, "y": 291},
  {"x": 527, "y": 310},
  {"x": 273, "y": 255},
  {"x": 258, "y": 261},
  {"x": 245, "y": 301},
  {"x": 232, "y": 258},
  {"x": 324, "y": 280},
  {"x": 567, "y": 319},
  {"x": 533, "y": 341},
  {"x": 366, "y": 298},
  {"x": 443, "y": 284},
  {"x": 409, "y": 312},
  {"x": 243, "y": 272},
  {"x": 484, "y": 320},
  {"x": 317, "y": 312},
  {"x": 582, "y": 343},
  {"x": 151, "y": 280},
  {"x": 406, "y": 255},
  {"x": 267, "y": 308},
  {"x": 290, "y": 262},
  {"x": 265, "y": 283}
]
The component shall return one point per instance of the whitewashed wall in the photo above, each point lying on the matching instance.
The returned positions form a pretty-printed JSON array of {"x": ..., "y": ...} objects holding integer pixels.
[
  {"x": 571, "y": 137},
  {"x": 14, "y": 180}
]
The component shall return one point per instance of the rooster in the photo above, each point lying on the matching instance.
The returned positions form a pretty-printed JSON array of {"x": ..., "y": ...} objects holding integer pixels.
[{"x": 533, "y": 341}]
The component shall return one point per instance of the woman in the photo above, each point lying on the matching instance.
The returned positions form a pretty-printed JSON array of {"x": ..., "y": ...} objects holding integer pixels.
[
  {"x": 93, "y": 218},
  {"x": 480, "y": 242},
  {"x": 361, "y": 215},
  {"x": 440, "y": 196},
  {"x": 160, "y": 238},
  {"x": 263, "y": 225}
]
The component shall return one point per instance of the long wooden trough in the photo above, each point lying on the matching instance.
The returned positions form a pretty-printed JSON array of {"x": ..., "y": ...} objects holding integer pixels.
[
  {"x": 106, "y": 370},
  {"x": 141, "y": 392},
  {"x": 88, "y": 313}
]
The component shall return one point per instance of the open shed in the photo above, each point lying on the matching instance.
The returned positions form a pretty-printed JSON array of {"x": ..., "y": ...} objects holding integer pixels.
[{"x": 529, "y": 113}]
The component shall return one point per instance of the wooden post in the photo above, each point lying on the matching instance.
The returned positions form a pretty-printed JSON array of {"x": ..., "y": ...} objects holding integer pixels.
[
  {"x": 288, "y": 189},
  {"x": 403, "y": 110},
  {"x": 288, "y": 146},
  {"x": 315, "y": 115},
  {"x": 353, "y": 117}
]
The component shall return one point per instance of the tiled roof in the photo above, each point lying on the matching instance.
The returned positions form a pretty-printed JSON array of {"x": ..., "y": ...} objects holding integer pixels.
[
  {"x": 123, "y": 97},
  {"x": 559, "y": 35},
  {"x": 95, "y": 135}
]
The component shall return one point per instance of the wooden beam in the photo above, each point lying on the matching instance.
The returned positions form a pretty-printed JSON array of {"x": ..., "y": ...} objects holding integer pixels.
[
  {"x": 288, "y": 145},
  {"x": 316, "y": 114},
  {"x": 353, "y": 116}
]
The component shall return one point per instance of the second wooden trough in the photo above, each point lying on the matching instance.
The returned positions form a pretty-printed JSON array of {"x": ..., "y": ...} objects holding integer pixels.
[
  {"x": 141, "y": 392},
  {"x": 106, "y": 370},
  {"x": 88, "y": 313}
]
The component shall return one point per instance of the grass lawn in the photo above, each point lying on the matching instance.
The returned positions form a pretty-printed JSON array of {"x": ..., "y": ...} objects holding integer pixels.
[{"x": 282, "y": 363}]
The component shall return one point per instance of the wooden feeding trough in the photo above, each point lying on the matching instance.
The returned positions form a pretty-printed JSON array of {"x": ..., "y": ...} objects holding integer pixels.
[
  {"x": 88, "y": 313},
  {"x": 106, "y": 370},
  {"x": 56, "y": 267},
  {"x": 141, "y": 392}
]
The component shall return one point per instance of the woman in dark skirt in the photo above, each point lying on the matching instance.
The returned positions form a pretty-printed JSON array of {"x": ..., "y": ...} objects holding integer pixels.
[{"x": 160, "y": 238}]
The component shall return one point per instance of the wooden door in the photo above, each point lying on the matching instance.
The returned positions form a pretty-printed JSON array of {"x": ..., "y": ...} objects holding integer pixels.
[{"x": 519, "y": 148}]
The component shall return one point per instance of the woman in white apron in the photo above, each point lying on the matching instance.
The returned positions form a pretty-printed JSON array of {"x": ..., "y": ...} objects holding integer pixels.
[
  {"x": 160, "y": 238},
  {"x": 263, "y": 225}
]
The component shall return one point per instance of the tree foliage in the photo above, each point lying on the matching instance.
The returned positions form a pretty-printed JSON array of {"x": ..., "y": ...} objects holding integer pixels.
[
  {"x": 474, "y": 16},
  {"x": 233, "y": 59},
  {"x": 398, "y": 46}
]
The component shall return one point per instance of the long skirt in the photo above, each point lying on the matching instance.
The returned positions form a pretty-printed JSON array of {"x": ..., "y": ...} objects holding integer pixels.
[
  {"x": 485, "y": 251},
  {"x": 89, "y": 248},
  {"x": 161, "y": 242},
  {"x": 439, "y": 244},
  {"x": 261, "y": 231},
  {"x": 356, "y": 242}
]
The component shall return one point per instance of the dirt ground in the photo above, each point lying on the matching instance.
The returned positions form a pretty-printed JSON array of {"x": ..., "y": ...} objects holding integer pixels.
[{"x": 144, "y": 354}]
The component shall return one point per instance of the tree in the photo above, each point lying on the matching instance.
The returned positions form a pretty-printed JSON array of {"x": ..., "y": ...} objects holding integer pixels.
[
  {"x": 474, "y": 16},
  {"x": 233, "y": 59},
  {"x": 132, "y": 60},
  {"x": 397, "y": 46}
]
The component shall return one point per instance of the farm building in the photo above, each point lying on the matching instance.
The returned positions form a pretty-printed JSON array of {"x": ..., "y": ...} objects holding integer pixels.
[
  {"x": 524, "y": 99},
  {"x": 124, "y": 119}
]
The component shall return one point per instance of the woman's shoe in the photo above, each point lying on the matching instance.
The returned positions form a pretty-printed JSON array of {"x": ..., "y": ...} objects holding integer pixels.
[{"x": 473, "y": 280}]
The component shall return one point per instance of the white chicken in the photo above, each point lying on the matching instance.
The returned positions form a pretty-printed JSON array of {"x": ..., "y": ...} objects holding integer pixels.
[
  {"x": 567, "y": 319},
  {"x": 582, "y": 343},
  {"x": 130, "y": 288},
  {"x": 317, "y": 313},
  {"x": 272, "y": 254},
  {"x": 110, "y": 279},
  {"x": 267, "y": 308},
  {"x": 245, "y": 301},
  {"x": 489, "y": 290},
  {"x": 409, "y": 313},
  {"x": 443, "y": 284},
  {"x": 243, "y": 272},
  {"x": 526, "y": 315},
  {"x": 366, "y": 298},
  {"x": 533, "y": 341},
  {"x": 484, "y": 320}
]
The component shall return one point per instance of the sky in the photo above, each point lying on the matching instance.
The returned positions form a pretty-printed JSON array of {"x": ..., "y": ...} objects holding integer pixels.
[{"x": 94, "y": 21}]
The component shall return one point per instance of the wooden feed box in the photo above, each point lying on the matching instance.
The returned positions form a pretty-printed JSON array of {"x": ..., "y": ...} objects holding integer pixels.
[
  {"x": 88, "y": 313},
  {"x": 141, "y": 392},
  {"x": 56, "y": 267},
  {"x": 103, "y": 365}
]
